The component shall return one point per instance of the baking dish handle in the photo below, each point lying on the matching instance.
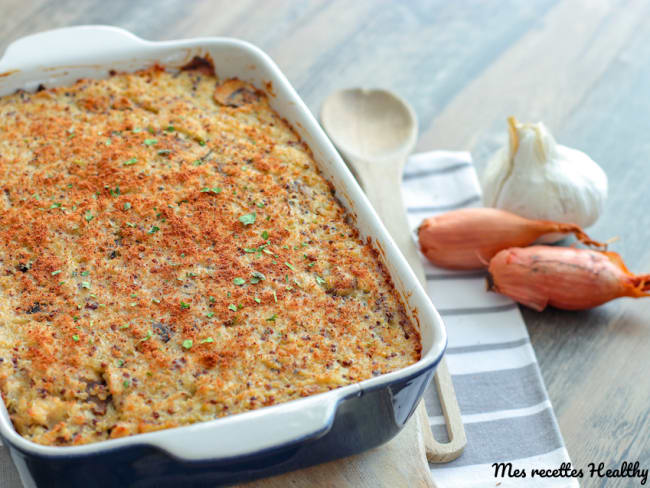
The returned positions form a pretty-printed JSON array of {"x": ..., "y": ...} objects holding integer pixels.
[
  {"x": 53, "y": 47},
  {"x": 241, "y": 435}
]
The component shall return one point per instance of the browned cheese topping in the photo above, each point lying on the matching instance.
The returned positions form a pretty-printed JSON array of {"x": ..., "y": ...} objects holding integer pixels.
[{"x": 170, "y": 254}]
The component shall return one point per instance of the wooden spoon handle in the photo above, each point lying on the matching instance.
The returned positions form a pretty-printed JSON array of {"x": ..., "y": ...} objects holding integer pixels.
[{"x": 381, "y": 183}]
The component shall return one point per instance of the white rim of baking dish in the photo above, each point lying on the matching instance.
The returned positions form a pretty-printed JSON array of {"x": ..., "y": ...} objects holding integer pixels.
[{"x": 61, "y": 56}]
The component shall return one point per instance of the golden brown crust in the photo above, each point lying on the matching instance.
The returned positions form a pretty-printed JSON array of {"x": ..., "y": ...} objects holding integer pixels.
[{"x": 171, "y": 254}]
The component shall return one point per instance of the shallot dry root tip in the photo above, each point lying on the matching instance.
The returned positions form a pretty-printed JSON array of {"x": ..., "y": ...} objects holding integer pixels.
[{"x": 489, "y": 283}]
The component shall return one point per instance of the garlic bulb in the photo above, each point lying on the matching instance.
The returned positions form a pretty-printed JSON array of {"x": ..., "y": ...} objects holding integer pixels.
[{"x": 541, "y": 180}]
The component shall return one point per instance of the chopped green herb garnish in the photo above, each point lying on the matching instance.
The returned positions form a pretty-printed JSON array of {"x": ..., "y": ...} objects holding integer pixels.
[
  {"x": 170, "y": 128},
  {"x": 164, "y": 152},
  {"x": 268, "y": 217},
  {"x": 130, "y": 224},
  {"x": 130, "y": 162},
  {"x": 250, "y": 249},
  {"x": 187, "y": 343},
  {"x": 126, "y": 383},
  {"x": 137, "y": 130},
  {"x": 120, "y": 363},
  {"x": 54, "y": 273},
  {"x": 212, "y": 299},
  {"x": 206, "y": 340},
  {"x": 209, "y": 315},
  {"x": 311, "y": 264},
  {"x": 155, "y": 300},
  {"x": 272, "y": 318},
  {"x": 89, "y": 216},
  {"x": 257, "y": 300},
  {"x": 153, "y": 229},
  {"x": 248, "y": 219},
  {"x": 76, "y": 317},
  {"x": 215, "y": 189},
  {"x": 232, "y": 307},
  {"x": 150, "y": 142},
  {"x": 257, "y": 277},
  {"x": 265, "y": 235},
  {"x": 85, "y": 273},
  {"x": 75, "y": 338},
  {"x": 85, "y": 284},
  {"x": 127, "y": 206},
  {"x": 239, "y": 281},
  {"x": 288, "y": 265},
  {"x": 260, "y": 204},
  {"x": 125, "y": 326},
  {"x": 320, "y": 280},
  {"x": 55, "y": 205},
  {"x": 184, "y": 305},
  {"x": 275, "y": 297},
  {"x": 201, "y": 143},
  {"x": 146, "y": 337}
]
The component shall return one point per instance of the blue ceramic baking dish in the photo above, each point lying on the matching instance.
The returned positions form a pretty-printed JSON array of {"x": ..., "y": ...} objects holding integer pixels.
[{"x": 254, "y": 444}]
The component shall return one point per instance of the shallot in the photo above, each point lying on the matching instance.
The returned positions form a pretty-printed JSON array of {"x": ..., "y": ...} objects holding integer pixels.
[
  {"x": 563, "y": 277},
  {"x": 469, "y": 238}
]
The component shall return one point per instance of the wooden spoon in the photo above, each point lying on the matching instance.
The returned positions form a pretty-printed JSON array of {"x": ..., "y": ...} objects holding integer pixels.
[{"x": 375, "y": 130}]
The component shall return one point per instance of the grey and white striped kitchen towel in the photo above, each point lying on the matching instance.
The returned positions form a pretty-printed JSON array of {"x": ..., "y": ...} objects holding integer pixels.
[{"x": 505, "y": 408}]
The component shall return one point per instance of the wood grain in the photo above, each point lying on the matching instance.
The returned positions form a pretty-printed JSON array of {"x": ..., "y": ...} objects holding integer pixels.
[{"x": 580, "y": 65}]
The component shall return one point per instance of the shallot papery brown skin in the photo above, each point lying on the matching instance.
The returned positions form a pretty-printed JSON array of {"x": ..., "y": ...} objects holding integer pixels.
[
  {"x": 469, "y": 238},
  {"x": 563, "y": 277}
]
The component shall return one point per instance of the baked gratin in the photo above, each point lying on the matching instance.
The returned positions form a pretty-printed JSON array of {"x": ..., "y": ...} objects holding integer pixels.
[{"x": 171, "y": 254}]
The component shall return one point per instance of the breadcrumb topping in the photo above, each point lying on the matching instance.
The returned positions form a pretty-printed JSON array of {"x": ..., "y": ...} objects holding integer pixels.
[{"x": 170, "y": 254}]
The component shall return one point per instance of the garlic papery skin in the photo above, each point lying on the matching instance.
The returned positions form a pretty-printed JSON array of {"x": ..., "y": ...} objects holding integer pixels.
[{"x": 541, "y": 180}]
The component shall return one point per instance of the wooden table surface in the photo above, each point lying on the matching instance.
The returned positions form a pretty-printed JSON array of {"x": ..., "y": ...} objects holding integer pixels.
[{"x": 580, "y": 66}]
